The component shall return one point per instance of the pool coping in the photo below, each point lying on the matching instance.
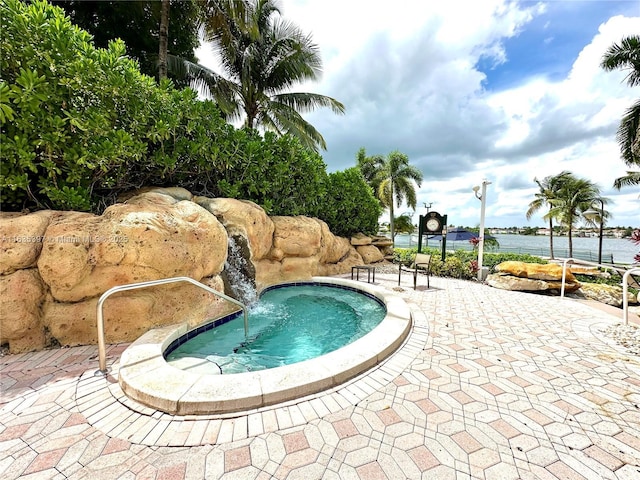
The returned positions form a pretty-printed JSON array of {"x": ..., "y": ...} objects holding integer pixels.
[{"x": 146, "y": 377}]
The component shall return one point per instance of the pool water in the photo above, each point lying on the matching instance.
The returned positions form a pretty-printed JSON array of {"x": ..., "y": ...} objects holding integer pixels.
[{"x": 287, "y": 325}]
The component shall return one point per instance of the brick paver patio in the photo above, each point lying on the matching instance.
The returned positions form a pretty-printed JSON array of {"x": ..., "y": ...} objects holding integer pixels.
[{"x": 490, "y": 385}]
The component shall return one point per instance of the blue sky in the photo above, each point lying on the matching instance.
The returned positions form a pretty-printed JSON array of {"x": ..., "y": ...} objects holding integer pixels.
[
  {"x": 550, "y": 42},
  {"x": 471, "y": 90}
]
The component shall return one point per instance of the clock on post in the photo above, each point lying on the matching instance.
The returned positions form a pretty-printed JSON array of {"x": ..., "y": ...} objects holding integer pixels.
[{"x": 433, "y": 223}]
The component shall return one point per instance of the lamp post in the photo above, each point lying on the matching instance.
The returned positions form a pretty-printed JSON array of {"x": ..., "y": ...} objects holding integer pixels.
[
  {"x": 593, "y": 214},
  {"x": 483, "y": 199}
]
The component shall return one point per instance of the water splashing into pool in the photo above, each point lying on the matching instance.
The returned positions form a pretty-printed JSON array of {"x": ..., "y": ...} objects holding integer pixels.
[{"x": 240, "y": 272}]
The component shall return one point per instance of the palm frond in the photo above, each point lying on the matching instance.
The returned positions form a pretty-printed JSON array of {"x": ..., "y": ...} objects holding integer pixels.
[
  {"x": 630, "y": 179},
  {"x": 626, "y": 56}
]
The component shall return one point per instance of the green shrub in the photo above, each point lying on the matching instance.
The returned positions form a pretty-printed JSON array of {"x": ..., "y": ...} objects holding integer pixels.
[
  {"x": 461, "y": 263},
  {"x": 350, "y": 206}
]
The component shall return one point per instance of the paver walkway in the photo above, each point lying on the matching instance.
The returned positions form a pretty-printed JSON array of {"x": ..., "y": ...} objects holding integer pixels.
[{"x": 490, "y": 385}]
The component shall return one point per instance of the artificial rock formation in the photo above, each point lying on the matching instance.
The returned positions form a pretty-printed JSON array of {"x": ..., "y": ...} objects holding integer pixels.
[
  {"x": 531, "y": 277},
  {"x": 54, "y": 266}
]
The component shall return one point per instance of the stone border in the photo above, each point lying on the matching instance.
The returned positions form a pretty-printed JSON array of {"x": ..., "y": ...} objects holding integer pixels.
[{"x": 145, "y": 376}]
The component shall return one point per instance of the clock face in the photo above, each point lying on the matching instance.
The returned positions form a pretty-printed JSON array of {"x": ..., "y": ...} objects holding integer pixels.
[{"x": 433, "y": 225}]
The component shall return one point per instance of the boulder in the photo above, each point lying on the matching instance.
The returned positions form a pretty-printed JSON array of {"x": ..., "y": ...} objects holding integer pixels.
[
  {"x": 244, "y": 218},
  {"x": 550, "y": 271},
  {"x": 147, "y": 238},
  {"x": 360, "y": 239},
  {"x": 295, "y": 237},
  {"x": 609, "y": 294},
  {"x": 332, "y": 249},
  {"x": 21, "y": 297},
  {"x": 370, "y": 254},
  {"x": 532, "y": 277},
  {"x": 510, "y": 282},
  {"x": 382, "y": 242},
  {"x": 176, "y": 193},
  {"x": 127, "y": 315},
  {"x": 21, "y": 239}
]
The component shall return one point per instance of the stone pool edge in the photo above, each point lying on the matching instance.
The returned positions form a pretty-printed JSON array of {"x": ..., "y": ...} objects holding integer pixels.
[{"x": 147, "y": 378}]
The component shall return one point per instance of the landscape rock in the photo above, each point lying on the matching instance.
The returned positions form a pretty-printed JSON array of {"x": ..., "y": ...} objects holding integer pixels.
[
  {"x": 129, "y": 244},
  {"x": 550, "y": 271},
  {"x": 21, "y": 297},
  {"x": 245, "y": 218},
  {"x": 360, "y": 239},
  {"x": 127, "y": 315},
  {"x": 21, "y": 239},
  {"x": 370, "y": 254},
  {"x": 609, "y": 294},
  {"x": 510, "y": 282},
  {"x": 295, "y": 237},
  {"x": 523, "y": 276}
]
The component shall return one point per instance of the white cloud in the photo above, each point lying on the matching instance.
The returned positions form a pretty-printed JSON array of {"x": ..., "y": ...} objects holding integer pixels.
[{"x": 406, "y": 74}]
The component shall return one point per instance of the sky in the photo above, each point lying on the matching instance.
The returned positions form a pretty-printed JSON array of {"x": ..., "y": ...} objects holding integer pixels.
[{"x": 473, "y": 90}]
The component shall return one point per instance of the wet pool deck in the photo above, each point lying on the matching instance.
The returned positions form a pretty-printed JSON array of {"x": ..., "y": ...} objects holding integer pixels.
[{"x": 490, "y": 384}]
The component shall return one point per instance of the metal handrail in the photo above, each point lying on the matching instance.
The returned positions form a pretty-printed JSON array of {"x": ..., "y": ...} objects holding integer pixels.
[
  {"x": 625, "y": 293},
  {"x": 133, "y": 286},
  {"x": 625, "y": 279}
]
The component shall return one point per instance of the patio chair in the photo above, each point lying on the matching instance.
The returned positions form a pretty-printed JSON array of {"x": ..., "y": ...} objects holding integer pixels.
[{"x": 421, "y": 262}]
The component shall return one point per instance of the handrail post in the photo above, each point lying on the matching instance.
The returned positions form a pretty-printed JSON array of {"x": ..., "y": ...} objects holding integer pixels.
[
  {"x": 625, "y": 294},
  {"x": 564, "y": 275},
  {"x": 102, "y": 353}
]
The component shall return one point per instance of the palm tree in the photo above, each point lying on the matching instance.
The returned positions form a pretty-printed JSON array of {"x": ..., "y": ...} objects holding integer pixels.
[
  {"x": 164, "y": 40},
  {"x": 263, "y": 57},
  {"x": 395, "y": 185},
  {"x": 549, "y": 191},
  {"x": 576, "y": 195},
  {"x": 626, "y": 56},
  {"x": 370, "y": 168}
]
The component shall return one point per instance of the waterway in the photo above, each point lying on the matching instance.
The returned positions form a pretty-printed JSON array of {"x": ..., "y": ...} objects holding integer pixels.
[{"x": 614, "y": 250}]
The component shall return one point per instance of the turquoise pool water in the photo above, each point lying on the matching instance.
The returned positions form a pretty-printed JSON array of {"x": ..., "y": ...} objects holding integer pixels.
[{"x": 288, "y": 324}]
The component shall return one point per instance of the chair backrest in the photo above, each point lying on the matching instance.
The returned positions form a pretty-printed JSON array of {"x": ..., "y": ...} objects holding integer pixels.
[{"x": 422, "y": 260}]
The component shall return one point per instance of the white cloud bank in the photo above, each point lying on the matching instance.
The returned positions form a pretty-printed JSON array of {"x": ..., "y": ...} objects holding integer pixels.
[{"x": 407, "y": 75}]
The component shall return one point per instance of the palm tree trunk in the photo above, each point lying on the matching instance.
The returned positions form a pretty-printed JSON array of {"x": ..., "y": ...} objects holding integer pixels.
[
  {"x": 551, "y": 238},
  {"x": 570, "y": 242},
  {"x": 164, "y": 40},
  {"x": 391, "y": 223}
]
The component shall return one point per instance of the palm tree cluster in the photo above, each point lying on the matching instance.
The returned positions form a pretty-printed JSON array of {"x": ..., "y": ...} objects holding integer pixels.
[
  {"x": 567, "y": 198},
  {"x": 392, "y": 180},
  {"x": 626, "y": 55},
  {"x": 263, "y": 56}
]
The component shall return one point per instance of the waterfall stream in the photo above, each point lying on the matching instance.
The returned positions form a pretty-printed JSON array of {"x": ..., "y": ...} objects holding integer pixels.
[{"x": 240, "y": 273}]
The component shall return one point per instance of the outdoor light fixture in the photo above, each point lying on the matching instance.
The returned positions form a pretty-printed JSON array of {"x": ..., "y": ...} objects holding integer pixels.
[
  {"x": 593, "y": 215},
  {"x": 482, "y": 197}
]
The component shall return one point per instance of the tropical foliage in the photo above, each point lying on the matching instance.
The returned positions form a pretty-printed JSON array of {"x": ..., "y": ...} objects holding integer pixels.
[
  {"x": 138, "y": 24},
  {"x": 549, "y": 192},
  {"x": 576, "y": 195},
  {"x": 626, "y": 56},
  {"x": 349, "y": 205},
  {"x": 263, "y": 58},
  {"x": 567, "y": 197},
  {"x": 393, "y": 178},
  {"x": 80, "y": 125}
]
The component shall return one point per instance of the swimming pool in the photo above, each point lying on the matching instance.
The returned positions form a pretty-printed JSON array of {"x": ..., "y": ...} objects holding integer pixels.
[
  {"x": 289, "y": 324},
  {"x": 145, "y": 376}
]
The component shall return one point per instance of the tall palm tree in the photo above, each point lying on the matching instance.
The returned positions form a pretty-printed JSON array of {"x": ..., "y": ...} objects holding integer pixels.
[
  {"x": 263, "y": 57},
  {"x": 396, "y": 184},
  {"x": 626, "y": 56},
  {"x": 370, "y": 168},
  {"x": 550, "y": 187},
  {"x": 575, "y": 197}
]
